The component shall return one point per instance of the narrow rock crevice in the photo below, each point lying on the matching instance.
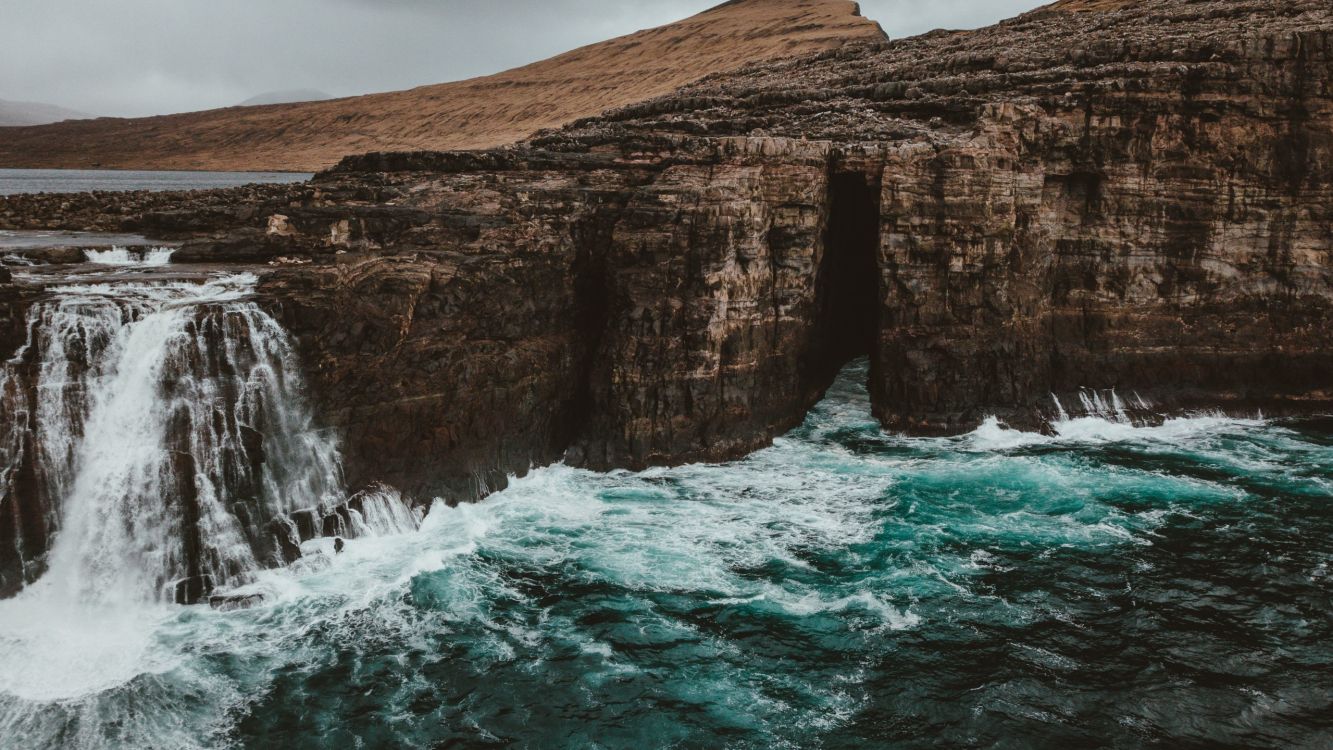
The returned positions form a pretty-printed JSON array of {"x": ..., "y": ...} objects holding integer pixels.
[
  {"x": 592, "y": 313},
  {"x": 847, "y": 296}
]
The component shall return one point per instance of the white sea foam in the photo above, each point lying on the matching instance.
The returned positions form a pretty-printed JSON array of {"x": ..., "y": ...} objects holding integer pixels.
[
  {"x": 51, "y": 650},
  {"x": 813, "y": 603},
  {"x": 993, "y": 435}
]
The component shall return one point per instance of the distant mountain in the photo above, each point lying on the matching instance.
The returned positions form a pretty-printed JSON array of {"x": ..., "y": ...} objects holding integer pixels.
[
  {"x": 32, "y": 113},
  {"x": 287, "y": 97},
  {"x": 478, "y": 113}
]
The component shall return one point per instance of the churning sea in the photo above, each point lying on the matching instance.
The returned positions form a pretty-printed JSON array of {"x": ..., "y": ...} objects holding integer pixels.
[{"x": 1107, "y": 586}]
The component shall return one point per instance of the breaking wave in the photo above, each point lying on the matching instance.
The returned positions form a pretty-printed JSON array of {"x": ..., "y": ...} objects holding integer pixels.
[{"x": 122, "y": 256}]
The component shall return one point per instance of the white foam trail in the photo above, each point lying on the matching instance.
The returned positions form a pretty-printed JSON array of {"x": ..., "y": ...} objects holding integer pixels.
[
  {"x": 121, "y": 256},
  {"x": 992, "y": 435},
  {"x": 812, "y": 603}
]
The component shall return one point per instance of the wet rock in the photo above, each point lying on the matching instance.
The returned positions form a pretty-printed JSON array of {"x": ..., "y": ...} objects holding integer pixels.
[
  {"x": 51, "y": 255},
  {"x": 252, "y": 442},
  {"x": 284, "y": 541},
  {"x": 193, "y": 590},
  {"x": 308, "y": 524},
  {"x": 334, "y": 525},
  {"x": 232, "y": 603}
]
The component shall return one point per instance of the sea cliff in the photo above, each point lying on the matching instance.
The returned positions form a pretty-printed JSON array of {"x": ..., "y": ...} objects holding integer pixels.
[{"x": 1124, "y": 207}]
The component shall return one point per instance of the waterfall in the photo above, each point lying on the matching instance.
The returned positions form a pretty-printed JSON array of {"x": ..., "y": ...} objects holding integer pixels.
[
  {"x": 121, "y": 256},
  {"x": 165, "y": 439},
  {"x": 1107, "y": 405}
]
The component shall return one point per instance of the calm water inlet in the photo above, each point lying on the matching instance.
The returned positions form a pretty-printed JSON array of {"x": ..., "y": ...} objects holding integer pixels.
[{"x": 17, "y": 181}]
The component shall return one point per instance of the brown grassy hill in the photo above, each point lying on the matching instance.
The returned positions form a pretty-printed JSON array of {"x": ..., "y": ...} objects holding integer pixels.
[
  {"x": 1092, "y": 6},
  {"x": 478, "y": 113}
]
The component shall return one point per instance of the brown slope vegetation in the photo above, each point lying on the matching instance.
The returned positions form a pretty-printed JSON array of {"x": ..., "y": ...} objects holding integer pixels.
[
  {"x": 478, "y": 113},
  {"x": 1092, "y": 6}
]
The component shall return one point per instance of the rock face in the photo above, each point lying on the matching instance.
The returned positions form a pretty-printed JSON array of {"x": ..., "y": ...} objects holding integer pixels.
[
  {"x": 994, "y": 217},
  {"x": 627, "y": 312},
  {"x": 168, "y": 214}
]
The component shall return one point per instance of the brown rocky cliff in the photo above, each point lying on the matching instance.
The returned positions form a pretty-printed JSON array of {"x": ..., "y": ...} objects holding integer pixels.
[
  {"x": 993, "y": 216},
  {"x": 479, "y": 113},
  {"x": 612, "y": 309},
  {"x": 1147, "y": 209}
]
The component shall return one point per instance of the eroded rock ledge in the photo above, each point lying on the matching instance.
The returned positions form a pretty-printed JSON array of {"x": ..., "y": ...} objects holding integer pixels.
[{"x": 1135, "y": 199}]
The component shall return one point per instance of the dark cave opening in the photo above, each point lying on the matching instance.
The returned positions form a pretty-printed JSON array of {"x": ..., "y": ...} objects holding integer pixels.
[
  {"x": 592, "y": 315},
  {"x": 847, "y": 290}
]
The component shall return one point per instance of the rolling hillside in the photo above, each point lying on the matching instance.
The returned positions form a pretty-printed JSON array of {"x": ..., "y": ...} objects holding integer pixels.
[{"x": 477, "y": 113}]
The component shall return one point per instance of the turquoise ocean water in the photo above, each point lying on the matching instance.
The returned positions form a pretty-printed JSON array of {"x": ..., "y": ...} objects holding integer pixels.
[{"x": 1111, "y": 586}]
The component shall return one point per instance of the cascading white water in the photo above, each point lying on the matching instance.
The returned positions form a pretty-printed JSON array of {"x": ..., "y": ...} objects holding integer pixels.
[
  {"x": 382, "y": 511},
  {"x": 1103, "y": 405},
  {"x": 122, "y": 256},
  {"x": 147, "y": 394},
  {"x": 170, "y": 435},
  {"x": 161, "y": 432}
]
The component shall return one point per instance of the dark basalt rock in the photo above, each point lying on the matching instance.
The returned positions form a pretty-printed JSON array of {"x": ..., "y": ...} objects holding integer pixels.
[
  {"x": 46, "y": 255},
  {"x": 995, "y": 217},
  {"x": 243, "y": 246},
  {"x": 308, "y": 523},
  {"x": 194, "y": 590},
  {"x": 285, "y": 541},
  {"x": 167, "y": 214},
  {"x": 232, "y": 603},
  {"x": 334, "y": 525}
]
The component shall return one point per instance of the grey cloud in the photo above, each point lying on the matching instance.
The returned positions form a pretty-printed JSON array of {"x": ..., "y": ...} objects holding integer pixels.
[
  {"x": 138, "y": 57},
  {"x": 902, "y": 18}
]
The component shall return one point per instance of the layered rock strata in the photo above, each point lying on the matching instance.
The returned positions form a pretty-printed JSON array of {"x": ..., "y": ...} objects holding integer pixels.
[{"x": 1131, "y": 203}]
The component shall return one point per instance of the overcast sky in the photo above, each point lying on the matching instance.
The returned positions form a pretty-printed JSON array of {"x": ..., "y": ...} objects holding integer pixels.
[{"x": 142, "y": 57}]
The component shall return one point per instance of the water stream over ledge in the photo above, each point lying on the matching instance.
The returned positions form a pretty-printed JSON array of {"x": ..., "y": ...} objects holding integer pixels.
[
  {"x": 157, "y": 437},
  {"x": 1108, "y": 586}
]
